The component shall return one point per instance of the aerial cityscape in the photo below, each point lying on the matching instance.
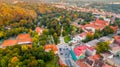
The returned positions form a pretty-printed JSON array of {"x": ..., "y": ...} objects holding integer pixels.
[{"x": 59, "y": 33}]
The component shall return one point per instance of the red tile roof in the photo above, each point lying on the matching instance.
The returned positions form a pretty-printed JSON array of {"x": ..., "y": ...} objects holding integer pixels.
[
  {"x": 51, "y": 46},
  {"x": 83, "y": 34},
  {"x": 95, "y": 57},
  {"x": 98, "y": 24},
  {"x": 38, "y": 30},
  {"x": 115, "y": 28},
  {"x": 80, "y": 49},
  {"x": 9, "y": 43},
  {"x": 81, "y": 63},
  {"x": 24, "y": 38}
]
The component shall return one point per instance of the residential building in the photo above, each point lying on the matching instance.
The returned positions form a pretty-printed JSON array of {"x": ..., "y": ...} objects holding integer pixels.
[
  {"x": 39, "y": 30},
  {"x": 117, "y": 39},
  {"x": 93, "y": 42},
  {"x": 51, "y": 47},
  {"x": 24, "y": 39},
  {"x": 84, "y": 50},
  {"x": 95, "y": 25},
  {"x": 9, "y": 43}
]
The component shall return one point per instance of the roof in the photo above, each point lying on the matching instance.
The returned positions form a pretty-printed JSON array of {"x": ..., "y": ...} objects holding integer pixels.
[
  {"x": 115, "y": 28},
  {"x": 24, "y": 38},
  {"x": 93, "y": 42},
  {"x": 81, "y": 63},
  {"x": 106, "y": 65},
  {"x": 9, "y": 43},
  {"x": 105, "y": 38},
  {"x": 80, "y": 49},
  {"x": 51, "y": 46},
  {"x": 94, "y": 57},
  {"x": 117, "y": 39},
  {"x": 38, "y": 29},
  {"x": 98, "y": 24},
  {"x": 83, "y": 34}
]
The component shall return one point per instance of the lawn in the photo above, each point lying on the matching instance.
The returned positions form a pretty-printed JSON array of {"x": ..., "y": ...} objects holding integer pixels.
[{"x": 67, "y": 39}]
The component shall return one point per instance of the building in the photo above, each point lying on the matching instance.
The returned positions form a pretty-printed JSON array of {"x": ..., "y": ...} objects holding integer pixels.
[
  {"x": 115, "y": 28},
  {"x": 84, "y": 50},
  {"x": 39, "y": 30},
  {"x": 81, "y": 63},
  {"x": 93, "y": 42},
  {"x": 107, "y": 39},
  {"x": 117, "y": 39},
  {"x": 95, "y": 25},
  {"x": 9, "y": 43},
  {"x": 51, "y": 47},
  {"x": 24, "y": 39},
  {"x": 114, "y": 48},
  {"x": 21, "y": 39}
]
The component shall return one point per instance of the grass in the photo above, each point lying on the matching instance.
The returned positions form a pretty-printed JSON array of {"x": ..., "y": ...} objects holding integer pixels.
[{"x": 67, "y": 39}]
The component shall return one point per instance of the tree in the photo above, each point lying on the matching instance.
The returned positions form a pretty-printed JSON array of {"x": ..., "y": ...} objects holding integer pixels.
[
  {"x": 107, "y": 30},
  {"x": 102, "y": 47},
  {"x": 97, "y": 34},
  {"x": 89, "y": 37}
]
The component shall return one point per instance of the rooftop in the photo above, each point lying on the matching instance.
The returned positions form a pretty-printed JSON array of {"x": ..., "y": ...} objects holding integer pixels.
[
  {"x": 51, "y": 46},
  {"x": 9, "y": 43}
]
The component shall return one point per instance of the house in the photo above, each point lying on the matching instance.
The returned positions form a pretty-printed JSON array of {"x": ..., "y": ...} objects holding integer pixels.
[
  {"x": 81, "y": 63},
  {"x": 95, "y": 25},
  {"x": 83, "y": 50},
  {"x": 117, "y": 39},
  {"x": 95, "y": 61},
  {"x": 39, "y": 30},
  {"x": 115, "y": 28},
  {"x": 114, "y": 48},
  {"x": 24, "y": 39},
  {"x": 9, "y": 43},
  {"x": 110, "y": 59},
  {"x": 83, "y": 35},
  {"x": 51, "y": 47}
]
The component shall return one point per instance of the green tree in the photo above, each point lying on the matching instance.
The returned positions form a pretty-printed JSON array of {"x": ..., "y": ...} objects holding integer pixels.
[{"x": 102, "y": 47}]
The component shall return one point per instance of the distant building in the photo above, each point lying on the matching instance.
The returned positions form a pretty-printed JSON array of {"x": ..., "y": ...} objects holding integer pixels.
[
  {"x": 39, "y": 30},
  {"x": 95, "y": 25}
]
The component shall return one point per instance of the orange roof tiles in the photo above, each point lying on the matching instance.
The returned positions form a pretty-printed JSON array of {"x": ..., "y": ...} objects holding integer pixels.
[
  {"x": 51, "y": 46},
  {"x": 38, "y": 30},
  {"x": 9, "y": 43},
  {"x": 22, "y": 38},
  {"x": 98, "y": 24},
  {"x": 81, "y": 63},
  {"x": 95, "y": 57},
  {"x": 115, "y": 28}
]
